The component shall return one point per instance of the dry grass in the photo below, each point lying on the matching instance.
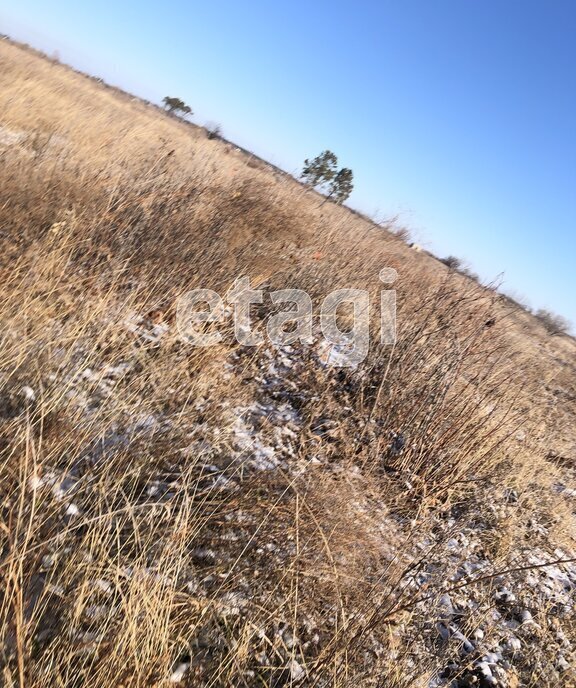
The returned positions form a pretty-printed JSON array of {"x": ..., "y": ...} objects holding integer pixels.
[{"x": 137, "y": 532}]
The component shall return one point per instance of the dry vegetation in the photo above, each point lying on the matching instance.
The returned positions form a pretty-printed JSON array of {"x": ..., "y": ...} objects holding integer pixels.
[{"x": 247, "y": 517}]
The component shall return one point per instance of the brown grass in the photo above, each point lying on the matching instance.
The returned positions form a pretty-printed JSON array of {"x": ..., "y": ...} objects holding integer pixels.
[{"x": 135, "y": 531}]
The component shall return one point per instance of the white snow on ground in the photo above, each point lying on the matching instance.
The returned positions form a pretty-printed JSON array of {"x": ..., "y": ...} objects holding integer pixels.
[
  {"x": 259, "y": 455},
  {"x": 153, "y": 333},
  {"x": 10, "y": 137},
  {"x": 264, "y": 435}
]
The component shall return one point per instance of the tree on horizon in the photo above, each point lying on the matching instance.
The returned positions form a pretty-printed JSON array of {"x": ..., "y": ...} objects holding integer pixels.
[
  {"x": 320, "y": 170},
  {"x": 342, "y": 185},
  {"x": 176, "y": 106}
]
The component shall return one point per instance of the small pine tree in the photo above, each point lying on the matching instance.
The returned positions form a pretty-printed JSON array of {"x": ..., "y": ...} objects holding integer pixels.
[
  {"x": 341, "y": 185},
  {"x": 175, "y": 106},
  {"x": 320, "y": 170}
]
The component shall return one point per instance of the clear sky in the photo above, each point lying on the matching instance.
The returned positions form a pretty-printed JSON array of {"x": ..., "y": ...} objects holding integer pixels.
[{"x": 458, "y": 114}]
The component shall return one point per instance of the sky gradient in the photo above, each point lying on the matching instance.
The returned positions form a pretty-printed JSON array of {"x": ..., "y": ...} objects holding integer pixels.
[{"x": 459, "y": 115}]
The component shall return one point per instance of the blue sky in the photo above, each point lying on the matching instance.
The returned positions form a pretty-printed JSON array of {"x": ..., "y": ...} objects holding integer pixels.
[{"x": 458, "y": 114}]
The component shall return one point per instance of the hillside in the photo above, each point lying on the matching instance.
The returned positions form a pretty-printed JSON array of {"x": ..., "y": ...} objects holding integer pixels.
[{"x": 253, "y": 516}]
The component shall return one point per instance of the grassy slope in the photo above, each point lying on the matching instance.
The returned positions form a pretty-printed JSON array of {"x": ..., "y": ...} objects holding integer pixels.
[{"x": 241, "y": 510}]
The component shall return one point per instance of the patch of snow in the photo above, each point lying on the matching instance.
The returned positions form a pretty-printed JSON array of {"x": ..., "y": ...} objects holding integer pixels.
[
  {"x": 178, "y": 673},
  {"x": 10, "y": 137}
]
